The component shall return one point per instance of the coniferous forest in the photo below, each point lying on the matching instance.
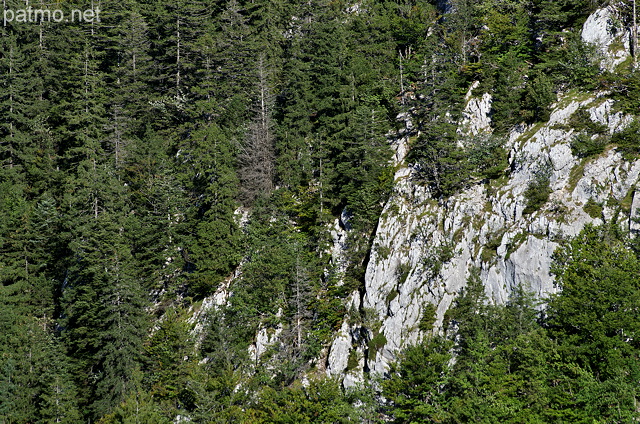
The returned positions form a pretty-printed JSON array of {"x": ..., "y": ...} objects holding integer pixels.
[{"x": 174, "y": 150}]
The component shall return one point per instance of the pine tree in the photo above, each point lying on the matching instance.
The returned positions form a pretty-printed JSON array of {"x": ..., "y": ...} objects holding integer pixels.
[
  {"x": 104, "y": 338},
  {"x": 214, "y": 249},
  {"x": 233, "y": 61},
  {"x": 129, "y": 107},
  {"x": 595, "y": 314},
  {"x": 58, "y": 400},
  {"x": 160, "y": 205},
  {"x": 415, "y": 386}
]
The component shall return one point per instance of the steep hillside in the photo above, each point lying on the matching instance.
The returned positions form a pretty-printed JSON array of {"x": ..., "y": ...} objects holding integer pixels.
[
  {"x": 426, "y": 248},
  {"x": 327, "y": 211}
]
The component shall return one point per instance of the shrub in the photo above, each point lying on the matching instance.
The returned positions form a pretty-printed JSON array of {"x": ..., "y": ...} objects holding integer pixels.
[
  {"x": 488, "y": 158},
  {"x": 375, "y": 344},
  {"x": 584, "y": 146},
  {"x": 593, "y": 209},
  {"x": 581, "y": 121},
  {"x": 628, "y": 140},
  {"x": 428, "y": 318},
  {"x": 352, "y": 361},
  {"x": 537, "y": 193}
]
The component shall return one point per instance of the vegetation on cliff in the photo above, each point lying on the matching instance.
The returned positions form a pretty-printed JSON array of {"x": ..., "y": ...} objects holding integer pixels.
[{"x": 168, "y": 150}]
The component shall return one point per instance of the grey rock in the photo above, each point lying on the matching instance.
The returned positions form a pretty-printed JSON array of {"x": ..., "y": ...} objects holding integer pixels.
[
  {"x": 424, "y": 250},
  {"x": 604, "y": 29}
]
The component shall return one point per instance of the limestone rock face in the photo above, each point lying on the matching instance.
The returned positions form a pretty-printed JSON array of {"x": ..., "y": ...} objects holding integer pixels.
[
  {"x": 339, "y": 354},
  {"x": 424, "y": 249},
  {"x": 603, "y": 29},
  {"x": 476, "y": 116},
  {"x": 264, "y": 339},
  {"x": 634, "y": 216}
]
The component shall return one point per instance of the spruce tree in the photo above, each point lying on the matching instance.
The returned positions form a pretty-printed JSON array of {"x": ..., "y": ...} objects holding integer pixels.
[{"x": 214, "y": 250}]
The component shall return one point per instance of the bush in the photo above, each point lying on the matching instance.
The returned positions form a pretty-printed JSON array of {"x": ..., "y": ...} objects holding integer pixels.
[
  {"x": 628, "y": 140},
  {"x": 537, "y": 193},
  {"x": 428, "y": 318},
  {"x": 375, "y": 344},
  {"x": 593, "y": 209},
  {"x": 584, "y": 146},
  {"x": 442, "y": 165},
  {"x": 490, "y": 249},
  {"x": 538, "y": 98},
  {"x": 488, "y": 158},
  {"x": 581, "y": 121}
]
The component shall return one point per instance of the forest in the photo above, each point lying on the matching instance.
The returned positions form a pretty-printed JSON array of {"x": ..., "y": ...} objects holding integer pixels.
[{"x": 169, "y": 150}]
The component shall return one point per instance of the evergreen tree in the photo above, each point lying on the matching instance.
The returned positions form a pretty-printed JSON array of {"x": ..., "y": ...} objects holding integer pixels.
[
  {"x": 214, "y": 249},
  {"x": 416, "y": 385},
  {"x": 104, "y": 338},
  {"x": 594, "y": 316}
]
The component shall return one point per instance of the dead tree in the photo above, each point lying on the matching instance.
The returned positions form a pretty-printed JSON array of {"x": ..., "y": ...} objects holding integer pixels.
[{"x": 257, "y": 156}]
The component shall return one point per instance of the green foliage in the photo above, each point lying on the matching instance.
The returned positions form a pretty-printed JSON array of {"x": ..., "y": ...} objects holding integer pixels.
[
  {"x": 137, "y": 408},
  {"x": 625, "y": 87},
  {"x": 575, "y": 361},
  {"x": 436, "y": 259},
  {"x": 415, "y": 386},
  {"x": 448, "y": 168},
  {"x": 164, "y": 365},
  {"x": 581, "y": 121},
  {"x": 595, "y": 272},
  {"x": 428, "y": 318},
  {"x": 584, "y": 146},
  {"x": 124, "y": 156},
  {"x": 443, "y": 164},
  {"x": 490, "y": 249},
  {"x": 506, "y": 27},
  {"x": 352, "y": 361},
  {"x": 592, "y": 137},
  {"x": 321, "y": 402},
  {"x": 593, "y": 209},
  {"x": 515, "y": 243},
  {"x": 508, "y": 92},
  {"x": 377, "y": 342},
  {"x": 402, "y": 271},
  {"x": 627, "y": 140},
  {"x": 562, "y": 14},
  {"x": 215, "y": 249},
  {"x": 537, "y": 192},
  {"x": 392, "y": 295},
  {"x": 488, "y": 157},
  {"x": 539, "y": 96}
]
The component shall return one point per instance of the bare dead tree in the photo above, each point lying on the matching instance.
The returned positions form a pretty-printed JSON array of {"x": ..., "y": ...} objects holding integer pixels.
[{"x": 257, "y": 157}]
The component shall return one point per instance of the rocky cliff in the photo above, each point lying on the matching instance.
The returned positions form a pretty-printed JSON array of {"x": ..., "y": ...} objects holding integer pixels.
[{"x": 425, "y": 250}]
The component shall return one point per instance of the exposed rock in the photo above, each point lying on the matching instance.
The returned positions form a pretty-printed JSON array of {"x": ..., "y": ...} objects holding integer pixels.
[
  {"x": 199, "y": 319},
  {"x": 603, "y": 114},
  {"x": 339, "y": 353},
  {"x": 424, "y": 250},
  {"x": 634, "y": 216},
  {"x": 265, "y": 338},
  {"x": 476, "y": 116},
  {"x": 400, "y": 144},
  {"x": 338, "y": 249},
  {"x": 604, "y": 29}
]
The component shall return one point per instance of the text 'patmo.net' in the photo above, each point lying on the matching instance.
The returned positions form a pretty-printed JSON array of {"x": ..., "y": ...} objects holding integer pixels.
[{"x": 31, "y": 15}]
